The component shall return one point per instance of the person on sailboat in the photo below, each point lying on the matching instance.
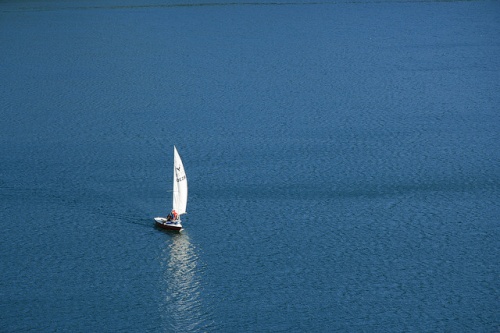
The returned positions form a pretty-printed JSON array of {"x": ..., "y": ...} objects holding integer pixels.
[{"x": 172, "y": 216}]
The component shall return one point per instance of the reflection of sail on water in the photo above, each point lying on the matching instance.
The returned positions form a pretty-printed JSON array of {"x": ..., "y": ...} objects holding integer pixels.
[{"x": 181, "y": 307}]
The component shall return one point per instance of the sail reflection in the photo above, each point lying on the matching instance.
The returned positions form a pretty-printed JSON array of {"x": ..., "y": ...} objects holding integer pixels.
[{"x": 181, "y": 308}]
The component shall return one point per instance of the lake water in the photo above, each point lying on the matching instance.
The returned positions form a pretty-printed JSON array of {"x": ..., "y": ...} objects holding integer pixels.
[{"x": 342, "y": 157}]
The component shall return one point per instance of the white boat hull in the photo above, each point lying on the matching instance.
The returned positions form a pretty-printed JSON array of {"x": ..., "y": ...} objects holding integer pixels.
[{"x": 163, "y": 223}]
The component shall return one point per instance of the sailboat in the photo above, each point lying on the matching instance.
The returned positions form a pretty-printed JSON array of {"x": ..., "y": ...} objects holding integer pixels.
[{"x": 179, "y": 198}]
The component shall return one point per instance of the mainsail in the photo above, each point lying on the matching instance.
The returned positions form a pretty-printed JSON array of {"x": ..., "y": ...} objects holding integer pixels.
[{"x": 179, "y": 201}]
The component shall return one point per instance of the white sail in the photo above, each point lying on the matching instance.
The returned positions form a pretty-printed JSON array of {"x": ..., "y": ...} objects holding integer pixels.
[{"x": 179, "y": 200}]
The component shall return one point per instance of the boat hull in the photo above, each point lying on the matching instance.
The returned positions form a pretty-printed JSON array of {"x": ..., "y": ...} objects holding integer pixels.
[{"x": 163, "y": 223}]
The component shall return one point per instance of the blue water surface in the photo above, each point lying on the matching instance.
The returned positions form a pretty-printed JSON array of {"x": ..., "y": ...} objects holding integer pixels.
[{"x": 342, "y": 159}]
